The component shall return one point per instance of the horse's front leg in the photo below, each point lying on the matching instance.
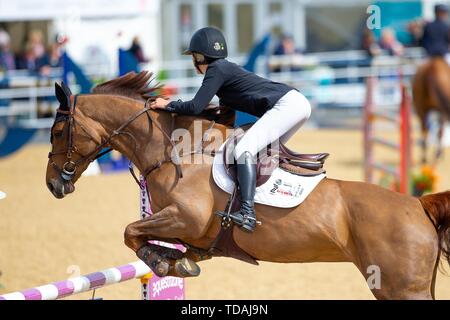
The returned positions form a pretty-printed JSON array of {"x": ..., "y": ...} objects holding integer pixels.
[
  {"x": 162, "y": 224},
  {"x": 165, "y": 225}
]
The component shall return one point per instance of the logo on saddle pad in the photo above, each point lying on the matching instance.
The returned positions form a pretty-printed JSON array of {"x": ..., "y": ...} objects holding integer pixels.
[{"x": 286, "y": 189}]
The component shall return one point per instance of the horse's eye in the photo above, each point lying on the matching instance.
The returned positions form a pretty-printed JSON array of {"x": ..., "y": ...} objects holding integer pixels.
[{"x": 58, "y": 134}]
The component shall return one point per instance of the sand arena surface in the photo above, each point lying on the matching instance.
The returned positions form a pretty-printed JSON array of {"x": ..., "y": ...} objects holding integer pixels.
[{"x": 42, "y": 238}]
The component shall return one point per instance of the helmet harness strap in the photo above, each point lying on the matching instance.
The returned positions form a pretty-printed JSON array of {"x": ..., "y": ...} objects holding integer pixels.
[{"x": 198, "y": 62}]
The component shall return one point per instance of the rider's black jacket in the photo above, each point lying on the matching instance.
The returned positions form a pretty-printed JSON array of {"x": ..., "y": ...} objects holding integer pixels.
[
  {"x": 236, "y": 88},
  {"x": 436, "y": 38}
]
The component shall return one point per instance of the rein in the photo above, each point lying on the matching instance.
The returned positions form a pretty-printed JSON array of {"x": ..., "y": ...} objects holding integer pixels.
[
  {"x": 69, "y": 168},
  {"x": 161, "y": 162}
]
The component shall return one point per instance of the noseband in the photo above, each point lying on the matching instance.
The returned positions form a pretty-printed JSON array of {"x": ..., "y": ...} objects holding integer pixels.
[{"x": 69, "y": 168}]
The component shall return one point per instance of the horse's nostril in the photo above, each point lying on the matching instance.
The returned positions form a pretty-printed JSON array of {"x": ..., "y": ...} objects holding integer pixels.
[{"x": 50, "y": 186}]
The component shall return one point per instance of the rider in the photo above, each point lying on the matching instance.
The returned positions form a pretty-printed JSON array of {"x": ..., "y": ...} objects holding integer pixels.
[
  {"x": 281, "y": 109},
  {"x": 436, "y": 35}
]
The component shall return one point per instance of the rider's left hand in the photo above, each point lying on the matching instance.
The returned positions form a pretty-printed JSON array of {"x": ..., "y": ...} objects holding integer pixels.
[{"x": 159, "y": 103}]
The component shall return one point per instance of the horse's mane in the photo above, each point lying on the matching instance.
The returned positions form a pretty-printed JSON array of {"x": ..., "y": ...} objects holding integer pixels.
[
  {"x": 133, "y": 85},
  {"x": 137, "y": 86}
]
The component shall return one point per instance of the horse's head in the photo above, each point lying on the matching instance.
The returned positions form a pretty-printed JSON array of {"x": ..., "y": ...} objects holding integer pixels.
[
  {"x": 74, "y": 144},
  {"x": 83, "y": 127}
]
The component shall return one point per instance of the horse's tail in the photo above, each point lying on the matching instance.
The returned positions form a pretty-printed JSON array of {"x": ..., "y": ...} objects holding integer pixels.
[{"x": 437, "y": 206}]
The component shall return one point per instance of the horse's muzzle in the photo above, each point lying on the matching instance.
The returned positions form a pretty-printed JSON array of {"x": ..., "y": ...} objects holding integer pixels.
[{"x": 60, "y": 188}]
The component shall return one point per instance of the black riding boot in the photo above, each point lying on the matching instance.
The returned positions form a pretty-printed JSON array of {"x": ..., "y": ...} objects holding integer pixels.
[{"x": 246, "y": 176}]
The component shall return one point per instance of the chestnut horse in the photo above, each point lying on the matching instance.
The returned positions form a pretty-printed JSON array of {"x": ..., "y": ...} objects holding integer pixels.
[
  {"x": 431, "y": 92},
  {"x": 385, "y": 234}
]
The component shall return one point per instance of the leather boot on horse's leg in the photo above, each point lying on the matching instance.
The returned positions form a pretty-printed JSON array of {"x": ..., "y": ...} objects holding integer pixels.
[
  {"x": 246, "y": 177},
  {"x": 159, "y": 265},
  {"x": 163, "y": 261},
  {"x": 168, "y": 262}
]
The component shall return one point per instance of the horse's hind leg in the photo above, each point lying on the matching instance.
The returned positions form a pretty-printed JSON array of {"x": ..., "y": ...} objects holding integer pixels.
[
  {"x": 440, "y": 136},
  {"x": 423, "y": 141},
  {"x": 396, "y": 281},
  {"x": 400, "y": 265}
]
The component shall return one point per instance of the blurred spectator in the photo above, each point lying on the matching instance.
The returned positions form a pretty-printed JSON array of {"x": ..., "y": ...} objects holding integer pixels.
[
  {"x": 33, "y": 56},
  {"x": 389, "y": 42},
  {"x": 415, "y": 28},
  {"x": 136, "y": 50},
  {"x": 369, "y": 44},
  {"x": 35, "y": 43},
  {"x": 52, "y": 58},
  {"x": 435, "y": 38},
  {"x": 286, "y": 46},
  {"x": 27, "y": 60},
  {"x": 6, "y": 55}
]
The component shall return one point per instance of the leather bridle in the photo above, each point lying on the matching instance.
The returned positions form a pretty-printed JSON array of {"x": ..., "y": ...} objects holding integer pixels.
[{"x": 69, "y": 168}]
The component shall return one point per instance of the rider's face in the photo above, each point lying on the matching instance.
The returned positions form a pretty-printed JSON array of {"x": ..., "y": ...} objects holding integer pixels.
[{"x": 201, "y": 68}]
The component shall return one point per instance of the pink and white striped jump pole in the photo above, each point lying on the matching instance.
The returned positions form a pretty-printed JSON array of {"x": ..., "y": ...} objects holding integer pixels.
[{"x": 61, "y": 289}]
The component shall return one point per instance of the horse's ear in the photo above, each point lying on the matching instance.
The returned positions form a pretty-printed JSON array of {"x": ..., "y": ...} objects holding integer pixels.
[
  {"x": 66, "y": 89},
  {"x": 61, "y": 96}
]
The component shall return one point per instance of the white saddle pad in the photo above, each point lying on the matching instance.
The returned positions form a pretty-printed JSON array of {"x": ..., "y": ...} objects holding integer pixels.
[{"x": 283, "y": 189}]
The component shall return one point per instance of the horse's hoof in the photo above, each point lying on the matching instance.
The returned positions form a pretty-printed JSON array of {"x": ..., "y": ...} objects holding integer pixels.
[{"x": 187, "y": 268}]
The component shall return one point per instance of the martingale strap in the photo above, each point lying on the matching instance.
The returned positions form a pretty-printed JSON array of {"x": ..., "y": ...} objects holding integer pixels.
[{"x": 103, "y": 153}]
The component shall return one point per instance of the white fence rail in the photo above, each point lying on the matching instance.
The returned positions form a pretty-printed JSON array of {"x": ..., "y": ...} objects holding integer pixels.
[{"x": 321, "y": 83}]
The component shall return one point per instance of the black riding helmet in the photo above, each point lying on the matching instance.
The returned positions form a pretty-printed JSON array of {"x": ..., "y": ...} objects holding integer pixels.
[{"x": 210, "y": 42}]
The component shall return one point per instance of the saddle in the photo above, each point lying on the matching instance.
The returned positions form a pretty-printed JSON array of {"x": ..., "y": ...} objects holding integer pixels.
[
  {"x": 296, "y": 163},
  {"x": 288, "y": 160}
]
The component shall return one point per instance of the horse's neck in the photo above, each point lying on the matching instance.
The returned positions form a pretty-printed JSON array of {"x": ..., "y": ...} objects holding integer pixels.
[
  {"x": 146, "y": 142},
  {"x": 139, "y": 141}
]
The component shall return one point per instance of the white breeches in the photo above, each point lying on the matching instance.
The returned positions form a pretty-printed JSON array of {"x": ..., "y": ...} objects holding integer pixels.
[{"x": 279, "y": 123}]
